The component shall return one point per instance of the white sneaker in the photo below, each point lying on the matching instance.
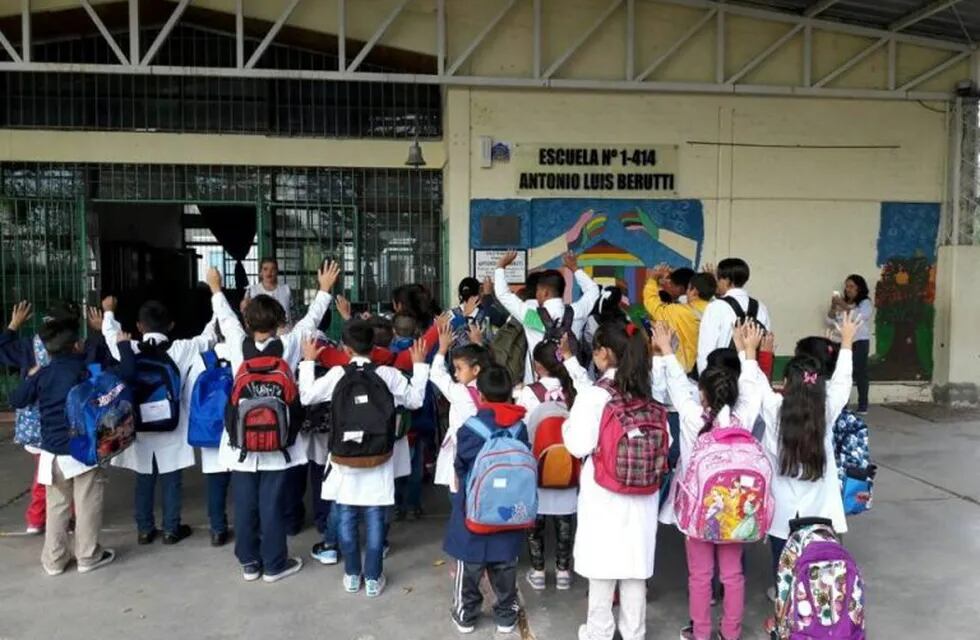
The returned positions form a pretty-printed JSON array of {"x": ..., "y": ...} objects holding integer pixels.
[
  {"x": 463, "y": 628},
  {"x": 771, "y": 594},
  {"x": 352, "y": 584},
  {"x": 374, "y": 588},
  {"x": 34, "y": 531},
  {"x": 508, "y": 629},
  {"x": 536, "y": 579},
  {"x": 293, "y": 566},
  {"x": 563, "y": 580},
  {"x": 251, "y": 572},
  {"x": 53, "y": 572},
  {"x": 108, "y": 555}
]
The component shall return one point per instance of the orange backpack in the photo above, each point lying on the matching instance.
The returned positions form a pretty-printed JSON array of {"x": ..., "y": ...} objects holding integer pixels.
[{"x": 557, "y": 468}]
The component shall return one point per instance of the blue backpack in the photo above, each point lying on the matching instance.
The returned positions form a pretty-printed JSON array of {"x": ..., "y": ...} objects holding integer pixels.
[
  {"x": 854, "y": 467},
  {"x": 209, "y": 400},
  {"x": 100, "y": 417},
  {"x": 502, "y": 486},
  {"x": 27, "y": 423},
  {"x": 156, "y": 389}
]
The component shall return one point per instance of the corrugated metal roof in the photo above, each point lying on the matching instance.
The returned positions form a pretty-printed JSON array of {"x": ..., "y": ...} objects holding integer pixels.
[{"x": 956, "y": 20}]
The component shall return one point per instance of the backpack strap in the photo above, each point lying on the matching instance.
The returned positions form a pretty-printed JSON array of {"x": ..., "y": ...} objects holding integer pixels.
[
  {"x": 210, "y": 359},
  {"x": 539, "y": 391},
  {"x": 567, "y": 318},
  {"x": 546, "y": 319},
  {"x": 475, "y": 394},
  {"x": 753, "y": 311},
  {"x": 479, "y": 427},
  {"x": 733, "y": 303}
]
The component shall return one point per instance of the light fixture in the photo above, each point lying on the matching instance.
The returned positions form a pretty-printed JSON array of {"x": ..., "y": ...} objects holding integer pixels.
[{"x": 415, "y": 158}]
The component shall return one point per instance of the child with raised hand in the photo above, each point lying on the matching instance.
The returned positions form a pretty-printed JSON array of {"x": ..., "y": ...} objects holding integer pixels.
[
  {"x": 725, "y": 401},
  {"x": 462, "y": 394},
  {"x": 799, "y": 438},
  {"x": 616, "y": 539},
  {"x": 553, "y": 390}
]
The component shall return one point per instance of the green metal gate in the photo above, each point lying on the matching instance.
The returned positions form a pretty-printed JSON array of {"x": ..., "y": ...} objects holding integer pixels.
[{"x": 43, "y": 258}]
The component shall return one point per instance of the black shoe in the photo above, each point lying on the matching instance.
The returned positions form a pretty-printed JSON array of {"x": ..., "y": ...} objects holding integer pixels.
[
  {"x": 173, "y": 537},
  {"x": 219, "y": 539},
  {"x": 147, "y": 537},
  {"x": 399, "y": 514},
  {"x": 416, "y": 514}
]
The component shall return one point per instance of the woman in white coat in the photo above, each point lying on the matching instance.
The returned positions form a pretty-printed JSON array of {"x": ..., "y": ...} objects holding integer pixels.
[
  {"x": 616, "y": 538},
  {"x": 161, "y": 456}
]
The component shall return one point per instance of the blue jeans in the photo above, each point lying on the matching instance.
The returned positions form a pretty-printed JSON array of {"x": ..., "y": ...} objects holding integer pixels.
[
  {"x": 331, "y": 531},
  {"x": 171, "y": 485},
  {"x": 217, "y": 497},
  {"x": 408, "y": 490},
  {"x": 350, "y": 540},
  {"x": 319, "y": 506},
  {"x": 260, "y": 532}
]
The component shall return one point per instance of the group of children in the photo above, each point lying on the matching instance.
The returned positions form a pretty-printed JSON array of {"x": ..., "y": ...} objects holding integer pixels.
[{"x": 584, "y": 409}]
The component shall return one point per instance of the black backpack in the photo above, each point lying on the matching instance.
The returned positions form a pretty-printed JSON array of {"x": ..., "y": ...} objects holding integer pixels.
[
  {"x": 156, "y": 389},
  {"x": 316, "y": 418},
  {"x": 363, "y": 417},
  {"x": 741, "y": 316},
  {"x": 555, "y": 329}
]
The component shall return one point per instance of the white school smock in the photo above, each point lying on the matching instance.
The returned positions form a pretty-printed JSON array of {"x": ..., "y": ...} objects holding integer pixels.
[
  {"x": 461, "y": 409},
  {"x": 280, "y": 293},
  {"x": 691, "y": 413},
  {"x": 69, "y": 466},
  {"x": 551, "y": 502},
  {"x": 616, "y": 537},
  {"x": 169, "y": 448},
  {"x": 526, "y": 312},
  {"x": 718, "y": 320},
  {"x": 821, "y": 498},
  {"x": 373, "y": 486},
  {"x": 292, "y": 343}
]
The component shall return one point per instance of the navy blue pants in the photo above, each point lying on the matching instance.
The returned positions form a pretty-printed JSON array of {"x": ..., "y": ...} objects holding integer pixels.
[
  {"x": 260, "y": 531},
  {"x": 319, "y": 506},
  {"x": 171, "y": 487},
  {"x": 217, "y": 497},
  {"x": 294, "y": 507}
]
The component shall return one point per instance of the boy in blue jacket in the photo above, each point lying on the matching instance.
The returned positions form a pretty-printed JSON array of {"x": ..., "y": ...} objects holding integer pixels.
[
  {"x": 496, "y": 553},
  {"x": 69, "y": 481}
]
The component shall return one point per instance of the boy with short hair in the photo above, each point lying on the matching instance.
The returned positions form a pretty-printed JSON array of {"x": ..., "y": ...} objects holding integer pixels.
[
  {"x": 161, "y": 456},
  {"x": 495, "y": 554},
  {"x": 361, "y": 492},
  {"x": 259, "y": 479},
  {"x": 548, "y": 302},
  {"x": 683, "y": 317},
  {"x": 69, "y": 482}
]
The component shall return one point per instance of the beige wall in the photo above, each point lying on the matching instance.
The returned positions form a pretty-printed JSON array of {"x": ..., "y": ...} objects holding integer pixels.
[
  {"x": 957, "y": 311},
  {"x": 804, "y": 218}
]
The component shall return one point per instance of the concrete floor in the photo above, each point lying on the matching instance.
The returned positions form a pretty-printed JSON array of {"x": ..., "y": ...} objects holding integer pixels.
[{"x": 919, "y": 550}]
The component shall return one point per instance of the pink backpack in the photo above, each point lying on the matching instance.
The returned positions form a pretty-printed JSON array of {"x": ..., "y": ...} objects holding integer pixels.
[
  {"x": 725, "y": 495},
  {"x": 631, "y": 457}
]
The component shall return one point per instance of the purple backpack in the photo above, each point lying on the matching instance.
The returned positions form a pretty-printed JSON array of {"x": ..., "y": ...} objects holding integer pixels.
[{"x": 819, "y": 593}]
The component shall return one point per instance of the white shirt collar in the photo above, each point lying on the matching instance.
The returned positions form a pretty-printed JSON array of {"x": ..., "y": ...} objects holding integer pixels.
[{"x": 155, "y": 338}]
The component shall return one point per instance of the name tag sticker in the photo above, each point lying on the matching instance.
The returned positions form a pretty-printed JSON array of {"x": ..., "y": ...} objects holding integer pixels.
[
  {"x": 500, "y": 483},
  {"x": 353, "y": 436},
  {"x": 747, "y": 481},
  {"x": 634, "y": 433},
  {"x": 155, "y": 411},
  {"x": 361, "y": 399}
]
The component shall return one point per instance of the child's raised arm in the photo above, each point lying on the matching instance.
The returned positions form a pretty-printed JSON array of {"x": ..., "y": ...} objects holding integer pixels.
[
  {"x": 16, "y": 351},
  {"x": 110, "y": 326},
  {"x": 326, "y": 278},
  {"x": 590, "y": 290},
  {"x": 313, "y": 390},
  {"x": 514, "y": 305},
  {"x": 839, "y": 387}
]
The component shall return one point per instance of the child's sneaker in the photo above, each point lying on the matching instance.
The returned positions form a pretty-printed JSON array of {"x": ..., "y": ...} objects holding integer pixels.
[
  {"x": 53, "y": 572},
  {"x": 251, "y": 572},
  {"x": 462, "y": 628},
  {"x": 385, "y": 551},
  {"x": 563, "y": 580},
  {"x": 352, "y": 584},
  {"x": 536, "y": 579},
  {"x": 502, "y": 628},
  {"x": 324, "y": 554},
  {"x": 771, "y": 594},
  {"x": 108, "y": 555},
  {"x": 34, "y": 531},
  {"x": 374, "y": 588},
  {"x": 293, "y": 565},
  {"x": 687, "y": 633}
]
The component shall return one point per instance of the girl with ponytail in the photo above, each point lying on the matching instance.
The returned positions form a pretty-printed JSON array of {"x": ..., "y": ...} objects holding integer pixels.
[
  {"x": 616, "y": 539},
  {"x": 726, "y": 401},
  {"x": 548, "y": 399}
]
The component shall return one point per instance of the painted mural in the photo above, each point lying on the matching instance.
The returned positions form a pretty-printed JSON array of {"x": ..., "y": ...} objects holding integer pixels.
[
  {"x": 906, "y": 293},
  {"x": 616, "y": 240}
]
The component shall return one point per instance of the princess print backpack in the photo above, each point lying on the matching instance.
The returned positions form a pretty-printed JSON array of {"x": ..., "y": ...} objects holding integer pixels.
[
  {"x": 631, "y": 457},
  {"x": 725, "y": 494},
  {"x": 819, "y": 589},
  {"x": 502, "y": 486}
]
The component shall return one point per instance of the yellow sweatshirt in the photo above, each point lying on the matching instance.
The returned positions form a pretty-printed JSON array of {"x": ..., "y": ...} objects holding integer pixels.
[{"x": 683, "y": 318}]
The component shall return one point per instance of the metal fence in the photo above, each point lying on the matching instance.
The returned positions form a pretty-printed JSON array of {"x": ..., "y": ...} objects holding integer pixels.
[{"x": 276, "y": 107}]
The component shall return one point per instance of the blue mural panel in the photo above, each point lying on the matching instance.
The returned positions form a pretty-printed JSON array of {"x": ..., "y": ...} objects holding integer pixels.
[{"x": 908, "y": 230}]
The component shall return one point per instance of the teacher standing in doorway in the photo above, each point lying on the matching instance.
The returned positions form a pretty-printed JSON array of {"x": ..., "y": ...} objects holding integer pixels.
[
  {"x": 269, "y": 285},
  {"x": 856, "y": 298}
]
